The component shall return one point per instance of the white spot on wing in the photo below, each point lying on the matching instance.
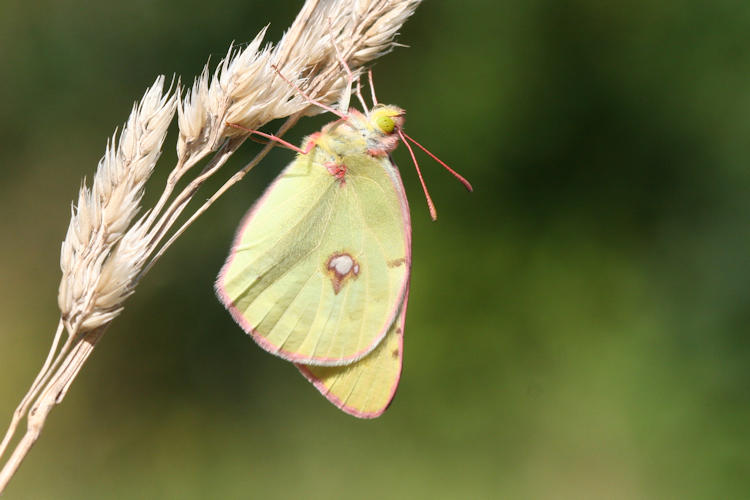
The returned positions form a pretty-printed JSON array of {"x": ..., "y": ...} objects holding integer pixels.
[
  {"x": 341, "y": 267},
  {"x": 342, "y": 264}
]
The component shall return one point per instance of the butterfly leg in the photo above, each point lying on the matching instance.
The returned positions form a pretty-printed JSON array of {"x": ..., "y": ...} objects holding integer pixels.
[
  {"x": 308, "y": 147},
  {"x": 372, "y": 87},
  {"x": 344, "y": 103},
  {"x": 307, "y": 96}
]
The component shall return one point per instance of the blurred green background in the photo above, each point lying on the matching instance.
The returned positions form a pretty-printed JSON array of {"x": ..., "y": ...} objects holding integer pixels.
[{"x": 578, "y": 327}]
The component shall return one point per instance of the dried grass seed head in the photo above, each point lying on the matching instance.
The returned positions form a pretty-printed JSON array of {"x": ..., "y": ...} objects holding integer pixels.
[
  {"x": 104, "y": 213},
  {"x": 245, "y": 89}
]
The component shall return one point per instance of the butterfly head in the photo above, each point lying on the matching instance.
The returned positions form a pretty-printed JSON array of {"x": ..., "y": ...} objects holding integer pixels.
[
  {"x": 384, "y": 123},
  {"x": 387, "y": 119}
]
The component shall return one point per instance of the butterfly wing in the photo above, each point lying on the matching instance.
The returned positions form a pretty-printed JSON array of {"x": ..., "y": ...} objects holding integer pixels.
[
  {"x": 319, "y": 266},
  {"x": 366, "y": 387}
]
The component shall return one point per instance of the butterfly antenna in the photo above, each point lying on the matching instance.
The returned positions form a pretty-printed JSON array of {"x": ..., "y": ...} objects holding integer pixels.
[
  {"x": 430, "y": 204},
  {"x": 458, "y": 176}
]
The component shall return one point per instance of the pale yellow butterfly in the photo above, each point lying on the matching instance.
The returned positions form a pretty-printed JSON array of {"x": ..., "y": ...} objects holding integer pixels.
[{"x": 319, "y": 270}]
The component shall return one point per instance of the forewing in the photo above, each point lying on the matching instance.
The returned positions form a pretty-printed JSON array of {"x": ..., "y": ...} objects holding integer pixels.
[
  {"x": 366, "y": 387},
  {"x": 319, "y": 265}
]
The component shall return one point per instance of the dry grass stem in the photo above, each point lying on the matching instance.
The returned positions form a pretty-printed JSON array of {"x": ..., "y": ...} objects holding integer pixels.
[{"x": 109, "y": 246}]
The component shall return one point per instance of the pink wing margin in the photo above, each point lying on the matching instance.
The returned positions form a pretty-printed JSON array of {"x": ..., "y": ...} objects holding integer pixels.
[{"x": 342, "y": 404}]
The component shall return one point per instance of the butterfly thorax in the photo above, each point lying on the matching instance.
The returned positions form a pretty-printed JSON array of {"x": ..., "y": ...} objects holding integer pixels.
[{"x": 375, "y": 132}]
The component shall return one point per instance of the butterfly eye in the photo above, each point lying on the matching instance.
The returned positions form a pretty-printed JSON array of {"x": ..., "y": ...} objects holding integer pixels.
[
  {"x": 387, "y": 119},
  {"x": 385, "y": 123}
]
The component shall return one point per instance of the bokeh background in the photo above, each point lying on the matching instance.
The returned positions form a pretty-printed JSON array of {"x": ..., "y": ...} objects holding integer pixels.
[{"x": 578, "y": 327}]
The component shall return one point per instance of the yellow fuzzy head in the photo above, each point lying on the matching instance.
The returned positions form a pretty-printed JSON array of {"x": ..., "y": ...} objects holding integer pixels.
[{"x": 387, "y": 118}]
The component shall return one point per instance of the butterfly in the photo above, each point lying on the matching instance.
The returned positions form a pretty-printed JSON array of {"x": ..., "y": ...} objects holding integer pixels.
[{"x": 319, "y": 270}]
